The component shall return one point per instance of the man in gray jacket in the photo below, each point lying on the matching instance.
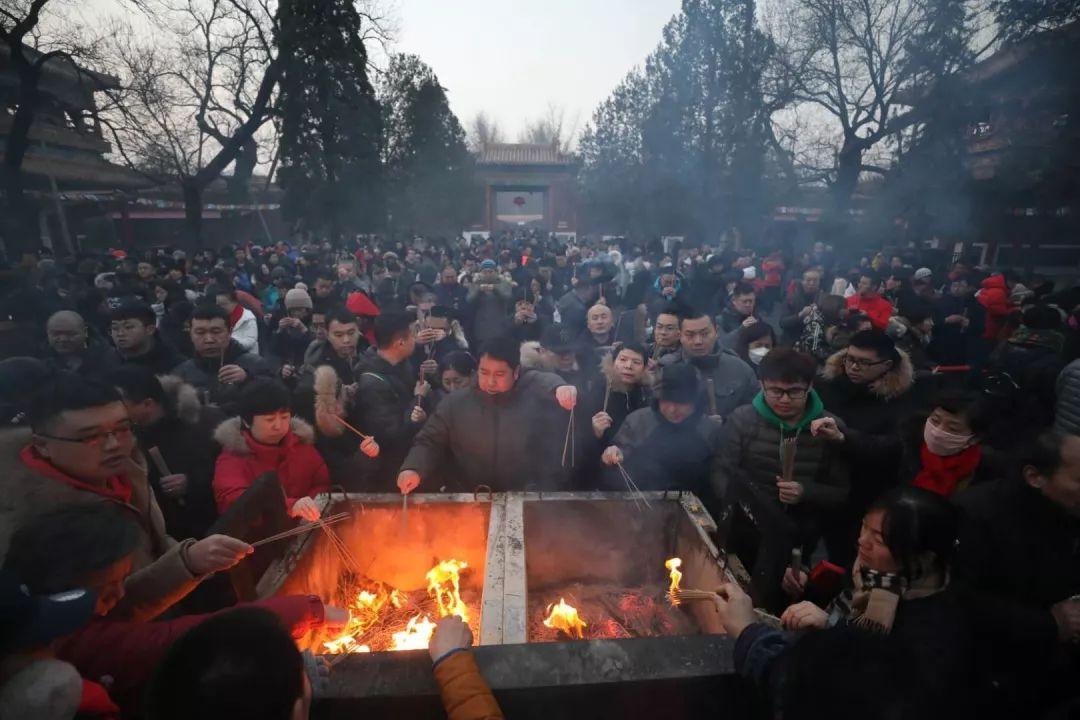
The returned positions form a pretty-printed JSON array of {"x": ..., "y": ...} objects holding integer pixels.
[
  {"x": 728, "y": 382},
  {"x": 503, "y": 432}
]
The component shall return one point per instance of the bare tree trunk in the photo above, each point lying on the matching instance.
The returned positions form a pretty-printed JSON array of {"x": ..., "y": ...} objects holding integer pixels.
[
  {"x": 848, "y": 168},
  {"x": 193, "y": 210},
  {"x": 20, "y": 227}
]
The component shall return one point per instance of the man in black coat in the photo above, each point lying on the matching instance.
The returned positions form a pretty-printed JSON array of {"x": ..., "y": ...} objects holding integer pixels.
[
  {"x": 504, "y": 432},
  {"x": 1019, "y": 556},
  {"x": 168, "y": 416},
  {"x": 868, "y": 386},
  {"x": 220, "y": 367},
  {"x": 71, "y": 347},
  {"x": 133, "y": 326},
  {"x": 384, "y": 404},
  {"x": 959, "y": 321}
]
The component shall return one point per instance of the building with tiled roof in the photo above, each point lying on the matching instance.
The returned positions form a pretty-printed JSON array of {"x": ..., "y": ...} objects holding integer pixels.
[{"x": 527, "y": 186}]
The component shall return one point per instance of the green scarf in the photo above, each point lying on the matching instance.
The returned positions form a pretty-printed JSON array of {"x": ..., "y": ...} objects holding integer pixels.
[
  {"x": 814, "y": 409},
  {"x": 1050, "y": 339}
]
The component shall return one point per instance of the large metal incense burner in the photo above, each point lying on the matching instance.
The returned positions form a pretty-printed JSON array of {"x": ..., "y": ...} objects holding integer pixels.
[{"x": 566, "y": 593}]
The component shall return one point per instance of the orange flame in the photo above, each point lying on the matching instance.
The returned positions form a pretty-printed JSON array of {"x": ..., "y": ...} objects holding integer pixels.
[
  {"x": 444, "y": 584},
  {"x": 416, "y": 635},
  {"x": 673, "y": 565},
  {"x": 565, "y": 617},
  {"x": 366, "y": 610}
]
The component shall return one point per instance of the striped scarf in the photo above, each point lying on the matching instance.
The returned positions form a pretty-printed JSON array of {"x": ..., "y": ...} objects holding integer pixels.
[{"x": 872, "y": 603}]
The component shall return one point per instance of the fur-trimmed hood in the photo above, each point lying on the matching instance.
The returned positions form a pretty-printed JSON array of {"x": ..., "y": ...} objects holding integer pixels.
[
  {"x": 183, "y": 398},
  {"x": 230, "y": 435},
  {"x": 531, "y": 357},
  {"x": 889, "y": 386}
]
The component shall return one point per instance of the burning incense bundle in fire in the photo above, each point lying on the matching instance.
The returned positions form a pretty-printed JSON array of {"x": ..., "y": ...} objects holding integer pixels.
[
  {"x": 444, "y": 584},
  {"x": 673, "y": 565},
  {"x": 374, "y": 611},
  {"x": 565, "y": 618}
]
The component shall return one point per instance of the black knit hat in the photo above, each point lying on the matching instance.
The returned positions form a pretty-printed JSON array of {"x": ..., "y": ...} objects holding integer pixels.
[
  {"x": 557, "y": 339},
  {"x": 679, "y": 383}
]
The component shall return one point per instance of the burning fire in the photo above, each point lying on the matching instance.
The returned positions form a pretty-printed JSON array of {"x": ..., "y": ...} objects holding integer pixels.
[
  {"x": 444, "y": 584},
  {"x": 673, "y": 564},
  {"x": 416, "y": 635},
  {"x": 565, "y": 617}
]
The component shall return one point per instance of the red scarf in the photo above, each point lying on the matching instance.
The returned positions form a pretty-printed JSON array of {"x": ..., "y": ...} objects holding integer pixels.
[
  {"x": 118, "y": 487},
  {"x": 95, "y": 702},
  {"x": 944, "y": 474},
  {"x": 235, "y": 315}
]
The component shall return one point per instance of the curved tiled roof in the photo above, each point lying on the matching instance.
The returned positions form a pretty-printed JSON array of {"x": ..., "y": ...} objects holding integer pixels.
[{"x": 521, "y": 154}]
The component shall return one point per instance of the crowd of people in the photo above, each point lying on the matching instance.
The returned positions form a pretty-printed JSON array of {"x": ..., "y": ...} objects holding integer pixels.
[{"x": 891, "y": 449}]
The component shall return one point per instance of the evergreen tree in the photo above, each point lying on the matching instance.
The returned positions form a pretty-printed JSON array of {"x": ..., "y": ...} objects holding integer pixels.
[
  {"x": 427, "y": 162},
  {"x": 330, "y": 120},
  {"x": 1020, "y": 18},
  {"x": 683, "y": 142},
  {"x": 930, "y": 184}
]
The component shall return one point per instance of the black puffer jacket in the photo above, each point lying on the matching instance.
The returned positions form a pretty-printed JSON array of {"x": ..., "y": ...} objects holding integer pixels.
[
  {"x": 750, "y": 455},
  {"x": 160, "y": 359},
  {"x": 873, "y": 448},
  {"x": 202, "y": 374},
  {"x": 510, "y": 441},
  {"x": 660, "y": 455},
  {"x": 872, "y": 414},
  {"x": 382, "y": 407}
]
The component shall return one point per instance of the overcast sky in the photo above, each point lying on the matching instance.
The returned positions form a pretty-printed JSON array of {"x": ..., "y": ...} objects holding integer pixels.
[{"x": 511, "y": 58}]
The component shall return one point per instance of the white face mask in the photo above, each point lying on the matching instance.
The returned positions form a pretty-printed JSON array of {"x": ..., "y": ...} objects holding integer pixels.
[{"x": 758, "y": 354}]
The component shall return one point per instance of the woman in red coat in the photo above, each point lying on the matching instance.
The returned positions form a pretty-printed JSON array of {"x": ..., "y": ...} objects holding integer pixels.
[{"x": 267, "y": 438}]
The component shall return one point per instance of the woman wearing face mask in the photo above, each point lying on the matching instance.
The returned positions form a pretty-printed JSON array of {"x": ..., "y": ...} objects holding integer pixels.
[
  {"x": 944, "y": 453},
  {"x": 753, "y": 343},
  {"x": 265, "y": 437}
]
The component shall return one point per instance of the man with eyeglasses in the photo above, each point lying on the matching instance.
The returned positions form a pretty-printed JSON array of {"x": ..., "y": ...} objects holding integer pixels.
[
  {"x": 665, "y": 335},
  {"x": 83, "y": 451},
  {"x": 733, "y": 382},
  {"x": 791, "y": 478},
  {"x": 868, "y": 385}
]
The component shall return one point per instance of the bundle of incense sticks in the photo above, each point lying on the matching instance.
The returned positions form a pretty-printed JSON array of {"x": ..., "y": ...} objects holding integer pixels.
[
  {"x": 635, "y": 491},
  {"x": 710, "y": 384},
  {"x": 787, "y": 458},
  {"x": 690, "y": 595},
  {"x": 300, "y": 530},
  {"x": 568, "y": 444},
  {"x": 339, "y": 545}
]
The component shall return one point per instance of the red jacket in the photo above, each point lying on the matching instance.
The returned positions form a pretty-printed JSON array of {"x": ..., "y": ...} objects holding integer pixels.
[
  {"x": 299, "y": 466},
  {"x": 994, "y": 296},
  {"x": 773, "y": 267},
  {"x": 128, "y": 652},
  {"x": 877, "y": 308}
]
